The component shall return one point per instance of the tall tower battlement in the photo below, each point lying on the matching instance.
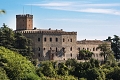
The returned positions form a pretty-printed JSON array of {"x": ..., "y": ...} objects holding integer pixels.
[{"x": 24, "y": 22}]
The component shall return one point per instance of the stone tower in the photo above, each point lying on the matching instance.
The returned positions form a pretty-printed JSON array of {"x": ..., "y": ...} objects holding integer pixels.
[{"x": 24, "y": 22}]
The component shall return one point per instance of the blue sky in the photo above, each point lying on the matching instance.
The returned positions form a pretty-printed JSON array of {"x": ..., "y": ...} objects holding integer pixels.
[{"x": 92, "y": 19}]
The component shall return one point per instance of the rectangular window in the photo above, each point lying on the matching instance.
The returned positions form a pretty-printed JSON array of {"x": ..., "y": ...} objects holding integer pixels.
[
  {"x": 71, "y": 40},
  {"x": 45, "y": 39},
  {"x": 50, "y": 39},
  {"x": 38, "y": 39},
  {"x": 63, "y": 40},
  {"x": 56, "y": 39},
  {"x": 39, "y": 49}
]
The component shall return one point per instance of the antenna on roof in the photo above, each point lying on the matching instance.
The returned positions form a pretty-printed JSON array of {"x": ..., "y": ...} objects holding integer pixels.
[
  {"x": 31, "y": 8},
  {"x": 23, "y": 9}
]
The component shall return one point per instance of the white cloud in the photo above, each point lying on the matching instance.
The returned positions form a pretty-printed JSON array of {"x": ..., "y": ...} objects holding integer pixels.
[
  {"x": 104, "y": 11},
  {"x": 52, "y": 4},
  {"x": 82, "y": 7}
]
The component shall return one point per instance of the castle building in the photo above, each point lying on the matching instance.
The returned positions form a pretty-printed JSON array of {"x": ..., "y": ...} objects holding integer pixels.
[{"x": 56, "y": 44}]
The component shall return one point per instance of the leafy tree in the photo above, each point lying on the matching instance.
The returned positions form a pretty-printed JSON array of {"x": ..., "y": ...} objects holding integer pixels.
[
  {"x": 80, "y": 69},
  {"x": 95, "y": 74},
  {"x": 15, "y": 41},
  {"x": 3, "y": 75},
  {"x": 94, "y": 63},
  {"x": 6, "y": 37},
  {"x": 16, "y": 66},
  {"x": 115, "y": 45},
  {"x": 71, "y": 63},
  {"x": 105, "y": 51},
  {"x": 113, "y": 74},
  {"x": 63, "y": 69},
  {"x": 85, "y": 54},
  {"x": 47, "y": 69},
  {"x": 23, "y": 45}
]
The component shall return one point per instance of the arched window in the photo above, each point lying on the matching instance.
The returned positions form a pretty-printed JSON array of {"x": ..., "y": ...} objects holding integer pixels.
[
  {"x": 71, "y": 54},
  {"x": 93, "y": 49},
  {"x": 63, "y": 49},
  {"x": 71, "y": 49}
]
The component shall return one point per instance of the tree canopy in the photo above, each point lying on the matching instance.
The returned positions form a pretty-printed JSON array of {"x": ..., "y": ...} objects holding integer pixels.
[
  {"x": 16, "y": 66},
  {"x": 115, "y": 45},
  {"x": 105, "y": 51},
  {"x": 15, "y": 41}
]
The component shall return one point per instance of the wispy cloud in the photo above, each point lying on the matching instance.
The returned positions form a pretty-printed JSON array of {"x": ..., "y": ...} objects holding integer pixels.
[
  {"x": 52, "y": 4},
  {"x": 82, "y": 7}
]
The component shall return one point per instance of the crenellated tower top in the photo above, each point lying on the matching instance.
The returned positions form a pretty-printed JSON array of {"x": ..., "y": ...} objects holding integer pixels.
[{"x": 24, "y": 22}]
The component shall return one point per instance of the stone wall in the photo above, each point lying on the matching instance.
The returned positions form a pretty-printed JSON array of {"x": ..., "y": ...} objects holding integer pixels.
[{"x": 91, "y": 45}]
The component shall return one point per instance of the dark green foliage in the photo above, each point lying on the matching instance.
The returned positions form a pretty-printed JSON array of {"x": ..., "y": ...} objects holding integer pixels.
[
  {"x": 114, "y": 74},
  {"x": 95, "y": 74},
  {"x": 105, "y": 51},
  {"x": 47, "y": 69},
  {"x": 16, "y": 66},
  {"x": 71, "y": 62},
  {"x": 94, "y": 63},
  {"x": 115, "y": 45},
  {"x": 63, "y": 69},
  {"x": 85, "y": 54},
  {"x": 15, "y": 41}
]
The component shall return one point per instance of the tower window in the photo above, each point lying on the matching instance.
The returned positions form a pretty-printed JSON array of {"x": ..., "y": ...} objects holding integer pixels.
[
  {"x": 63, "y": 40},
  {"x": 38, "y": 39},
  {"x": 50, "y": 39},
  {"x": 45, "y": 39},
  {"x": 56, "y": 39},
  {"x": 39, "y": 49}
]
